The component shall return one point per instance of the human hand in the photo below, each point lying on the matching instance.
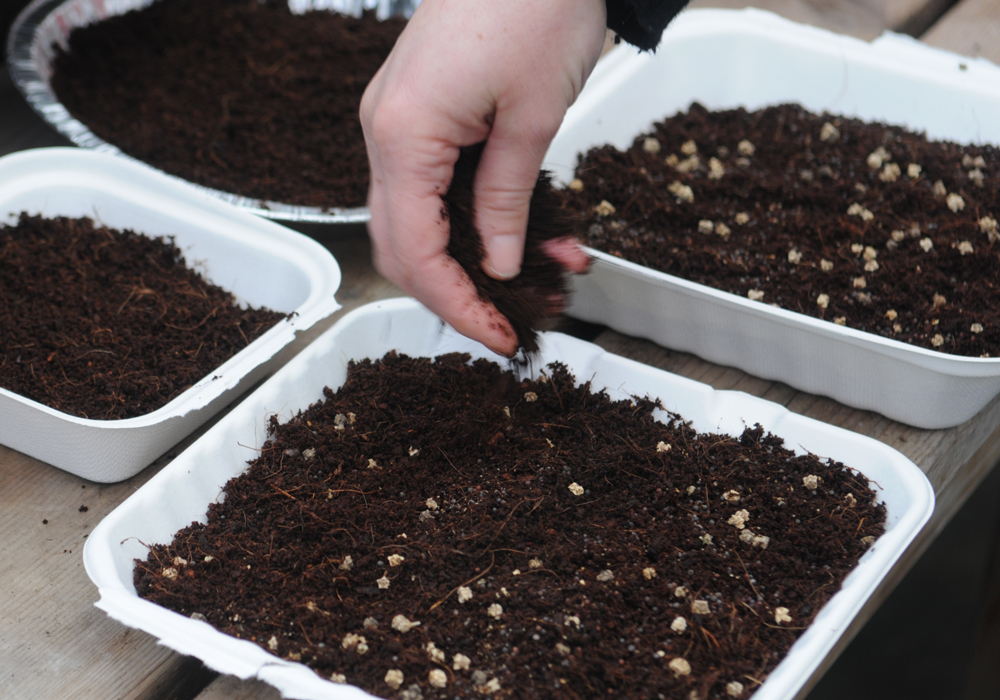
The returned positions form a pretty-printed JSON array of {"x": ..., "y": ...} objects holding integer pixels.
[{"x": 464, "y": 72}]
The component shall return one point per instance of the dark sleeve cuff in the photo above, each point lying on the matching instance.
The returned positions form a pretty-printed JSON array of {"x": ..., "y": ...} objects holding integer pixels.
[{"x": 641, "y": 22}]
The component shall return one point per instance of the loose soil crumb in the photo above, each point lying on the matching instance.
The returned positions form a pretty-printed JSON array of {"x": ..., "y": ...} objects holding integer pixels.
[
  {"x": 267, "y": 564},
  {"x": 828, "y": 188},
  {"x": 109, "y": 324},
  {"x": 243, "y": 97}
]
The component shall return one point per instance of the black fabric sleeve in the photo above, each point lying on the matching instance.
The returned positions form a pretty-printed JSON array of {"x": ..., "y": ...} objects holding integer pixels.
[{"x": 641, "y": 22}]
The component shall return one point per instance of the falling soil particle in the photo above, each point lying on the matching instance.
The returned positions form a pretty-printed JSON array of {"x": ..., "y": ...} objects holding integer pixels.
[
  {"x": 801, "y": 188},
  {"x": 277, "y": 540}
]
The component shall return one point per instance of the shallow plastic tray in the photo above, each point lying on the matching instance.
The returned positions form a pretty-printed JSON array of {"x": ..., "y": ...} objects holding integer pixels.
[
  {"x": 260, "y": 262},
  {"x": 182, "y": 491},
  {"x": 725, "y": 59},
  {"x": 47, "y": 23}
]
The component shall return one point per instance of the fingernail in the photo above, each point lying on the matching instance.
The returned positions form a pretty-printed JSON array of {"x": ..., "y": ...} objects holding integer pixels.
[{"x": 505, "y": 256}]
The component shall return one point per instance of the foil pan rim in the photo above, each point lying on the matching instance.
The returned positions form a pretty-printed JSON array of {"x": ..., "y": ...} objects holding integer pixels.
[{"x": 30, "y": 71}]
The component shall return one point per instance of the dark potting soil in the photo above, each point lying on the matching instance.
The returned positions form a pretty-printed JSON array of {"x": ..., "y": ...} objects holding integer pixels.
[
  {"x": 243, "y": 97},
  {"x": 867, "y": 225},
  {"x": 108, "y": 324},
  {"x": 547, "y": 542},
  {"x": 540, "y": 290}
]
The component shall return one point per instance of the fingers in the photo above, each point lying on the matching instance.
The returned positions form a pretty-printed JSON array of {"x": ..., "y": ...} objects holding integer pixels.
[
  {"x": 568, "y": 253},
  {"x": 504, "y": 183}
]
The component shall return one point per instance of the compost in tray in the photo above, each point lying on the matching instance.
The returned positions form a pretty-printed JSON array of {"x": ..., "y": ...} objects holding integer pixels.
[
  {"x": 242, "y": 97},
  {"x": 109, "y": 324},
  {"x": 444, "y": 529},
  {"x": 862, "y": 224}
]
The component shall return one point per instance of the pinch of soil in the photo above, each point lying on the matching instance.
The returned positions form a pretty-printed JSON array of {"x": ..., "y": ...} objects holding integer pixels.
[
  {"x": 798, "y": 191},
  {"x": 266, "y": 564},
  {"x": 108, "y": 324},
  {"x": 538, "y": 292},
  {"x": 243, "y": 97}
]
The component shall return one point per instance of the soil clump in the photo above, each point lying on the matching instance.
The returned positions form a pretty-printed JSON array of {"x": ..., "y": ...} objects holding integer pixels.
[{"x": 539, "y": 291}]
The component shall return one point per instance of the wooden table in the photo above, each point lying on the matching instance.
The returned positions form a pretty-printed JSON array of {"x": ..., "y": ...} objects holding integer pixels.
[{"x": 55, "y": 644}]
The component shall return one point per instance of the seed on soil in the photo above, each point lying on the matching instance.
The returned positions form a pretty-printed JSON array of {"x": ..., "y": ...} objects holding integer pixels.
[
  {"x": 689, "y": 148},
  {"x": 794, "y": 256},
  {"x": 705, "y": 226},
  {"x": 530, "y": 397},
  {"x": 811, "y": 482},
  {"x": 857, "y": 210},
  {"x": 672, "y": 160},
  {"x": 878, "y": 157},
  {"x": 955, "y": 202},
  {"x": 755, "y": 295},
  {"x": 988, "y": 225},
  {"x": 434, "y": 653},
  {"x": 347, "y": 564},
  {"x": 722, "y": 230},
  {"x": 939, "y": 300},
  {"x": 495, "y": 611},
  {"x": 746, "y": 148},
  {"x": 859, "y": 283},
  {"x": 734, "y": 688},
  {"x": 868, "y": 540},
  {"x": 394, "y": 678},
  {"x": 651, "y": 144},
  {"x": 680, "y": 591},
  {"x": 461, "y": 662},
  {"x": 605, "y": 576},
  {"x": 731, "y": 496},
  {"x": 938, "y": 340},
  {"x": 689, "y": 164},
  {"x": 939, "y": 189},
  {"x": 716, "y": 170},
  {"x": 680, "y": 191},
  {"x": 170, "y": 573},
  {"x": 680, "y": 666},
  {"x": 700, "y": 607},
  {"x": 706, "y": 539},
  {"x": 742, "y": 218},
  {"x": 926, "y": 244},
  {"x": 272, "y": 643},
  {"x": 781, "y": 615},
  {"x": 383, "y": 582},
  {"x": 760, "y": 541},
  {"x": 649, "y": 573},
  {"x": 403, "y": 625},
  {"x": 829, "y": 133},
  {"x": 976, "y": 328},
  {"x": 662, "y": 447},
  {"x": 605, "y": 208},
  {"x": 437, "y": 678},
  {"x": 826, "y": 265},
  {"x": 576, "y": 184},
  {"x": 913, "y": 171},
  {"x": 823, "y": 301},
  {"x": 976, "y": 177},
  {"x": 395, "y": 559},
  {"x": 739, "y": 519},
  {"x": 679, "y": 625},
  {"x": 576, "y": 489},
  {"x": 890, "y": 173}
]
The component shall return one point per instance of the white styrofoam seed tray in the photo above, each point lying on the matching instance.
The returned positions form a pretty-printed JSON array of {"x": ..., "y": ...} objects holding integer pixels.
[
  {"x": 258, "y": 261},
  {"x": 748, "y": 58},
  {"x": 182, "y": 491}
]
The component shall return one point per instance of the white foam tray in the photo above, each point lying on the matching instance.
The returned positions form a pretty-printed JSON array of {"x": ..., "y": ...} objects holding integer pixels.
[
  {"x": 750, "y": 58},
  {"x": 182, "y": 491},
  {"x": 259, "y": 262}
]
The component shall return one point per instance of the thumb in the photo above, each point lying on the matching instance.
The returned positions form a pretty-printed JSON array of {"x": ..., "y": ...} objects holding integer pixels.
[{"x": 505, "y": 180}]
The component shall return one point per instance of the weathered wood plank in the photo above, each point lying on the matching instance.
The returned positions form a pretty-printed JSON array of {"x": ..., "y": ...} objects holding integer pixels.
[{"x": 970, "y": 28}]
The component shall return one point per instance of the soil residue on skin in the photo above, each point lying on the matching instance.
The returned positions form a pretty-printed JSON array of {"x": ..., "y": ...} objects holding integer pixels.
[
  {"x": 241, "y": 96},
  {"x": 867, "y": 225},
  {"x": 539, "y": 291},
  {"x": 550, "y": 542},
  {"x": 108, "y": 324}
]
